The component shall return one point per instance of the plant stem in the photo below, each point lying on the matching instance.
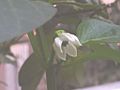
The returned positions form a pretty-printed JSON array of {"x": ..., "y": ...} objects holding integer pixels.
[
  {"x": 42, "y": 51},
  {"x": 51, "y": 74},
  {"x": 80, "y": 5},
  {"x": 51, "y": 78}
]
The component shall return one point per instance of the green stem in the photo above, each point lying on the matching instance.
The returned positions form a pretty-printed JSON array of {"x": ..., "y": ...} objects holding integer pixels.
[
  {"x": 80, "y": 5},
  {"x": 41, "y": 49},
  {"x": 37, "y": 45},
  {"x": 37, "y": 48},
  {"x": 51, "y": 78},
  {"x": 51, "y": 74}
]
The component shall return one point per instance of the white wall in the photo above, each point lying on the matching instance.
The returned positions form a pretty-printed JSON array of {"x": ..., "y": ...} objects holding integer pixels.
[{"x": 110, "y": 86}]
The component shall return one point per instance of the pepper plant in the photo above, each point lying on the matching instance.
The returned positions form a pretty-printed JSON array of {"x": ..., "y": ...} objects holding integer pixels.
[{"x": 94, "y": 32}]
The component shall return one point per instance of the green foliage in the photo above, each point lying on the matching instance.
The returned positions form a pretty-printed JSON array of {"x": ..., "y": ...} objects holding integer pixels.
[
  {"x": 93, "y": 51},
  {"x": 99, "y": 31},
  {"x": 76, "y": 5},
  {"x": 98, "y": 38},
  {"x": 29, "y": 74},
  {"x": 21, "y": 16}
]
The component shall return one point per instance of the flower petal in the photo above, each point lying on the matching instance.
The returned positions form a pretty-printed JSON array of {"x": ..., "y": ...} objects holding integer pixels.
[
  {"x": 71, "y": 50},
  {"x": 76, "y": 40},
  {"x": 66, "y": 37},
  {"x": 61, "y": 55},
  {"x": 58, "y": 43},
  {"x": 70, "y": 37}
]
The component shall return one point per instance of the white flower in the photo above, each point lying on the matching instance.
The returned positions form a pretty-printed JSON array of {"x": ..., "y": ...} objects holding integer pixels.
[
  {"x": 66, "y": 44},
  {"x": 108, "y": 2}
]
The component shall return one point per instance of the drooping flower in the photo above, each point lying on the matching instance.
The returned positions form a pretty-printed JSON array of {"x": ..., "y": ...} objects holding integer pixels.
[{"x": 66, "y": 44}]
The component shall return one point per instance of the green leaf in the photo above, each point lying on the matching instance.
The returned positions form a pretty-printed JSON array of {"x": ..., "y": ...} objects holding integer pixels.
[
  {"x": 31, "y": 73},
  {"x": 33, "y": 69},
  {"x": 97, "y": 30},
  {"x": 94, "y": 51},
  {"x": 20, "y": 16},
  {"x": 101, "y": 51},
  {"x": 45, "y": 41}
]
